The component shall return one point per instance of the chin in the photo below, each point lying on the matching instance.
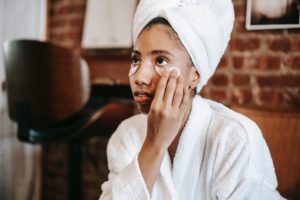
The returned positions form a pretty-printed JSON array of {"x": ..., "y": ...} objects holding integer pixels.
[{"x": 144, "y": 108}]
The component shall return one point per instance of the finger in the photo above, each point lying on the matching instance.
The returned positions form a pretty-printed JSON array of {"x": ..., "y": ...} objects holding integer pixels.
[
  {"x": 178, "y": 92},
  {"x": 161, "y": 87},
  {"x": 171, "y": 86}
]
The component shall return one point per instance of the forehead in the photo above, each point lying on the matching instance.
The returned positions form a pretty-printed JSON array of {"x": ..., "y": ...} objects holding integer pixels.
[{"x": 158, "y": 36}]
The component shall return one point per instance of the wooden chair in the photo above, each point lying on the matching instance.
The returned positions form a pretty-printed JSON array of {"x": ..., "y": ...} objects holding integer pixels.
[
  {"x": 50, "y": 97},
  {"x": 281, "y": 130}
]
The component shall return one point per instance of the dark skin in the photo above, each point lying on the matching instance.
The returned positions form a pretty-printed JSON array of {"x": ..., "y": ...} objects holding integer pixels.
[{"x": 167, "y": 99}]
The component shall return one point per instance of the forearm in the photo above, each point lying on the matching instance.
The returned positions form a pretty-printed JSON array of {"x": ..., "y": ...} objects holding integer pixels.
[{"x": 150, "y": 159}]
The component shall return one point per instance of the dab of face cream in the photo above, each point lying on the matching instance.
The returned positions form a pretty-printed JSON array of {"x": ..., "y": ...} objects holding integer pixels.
[
  {"x": 132, "y": 70},
  {"x": 160, "y": 70}
]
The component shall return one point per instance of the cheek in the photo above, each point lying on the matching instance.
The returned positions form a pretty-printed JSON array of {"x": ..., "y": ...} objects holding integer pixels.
[
  {"x": 155, "y": 82},
  {"x": 185, "y": 72},
  {"x": 131, "y": 82}
]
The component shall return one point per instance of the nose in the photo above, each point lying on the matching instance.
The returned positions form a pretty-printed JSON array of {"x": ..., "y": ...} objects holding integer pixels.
[{"x": 144, "y": 74}]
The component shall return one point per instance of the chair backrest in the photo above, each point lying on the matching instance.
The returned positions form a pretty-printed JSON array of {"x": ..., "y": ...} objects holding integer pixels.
[
  {"x": 281, "y": 130},
  {"x": 52, "y": 81}
]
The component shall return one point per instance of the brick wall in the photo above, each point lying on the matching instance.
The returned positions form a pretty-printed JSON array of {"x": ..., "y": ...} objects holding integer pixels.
[{"x": 259, "y": 68}]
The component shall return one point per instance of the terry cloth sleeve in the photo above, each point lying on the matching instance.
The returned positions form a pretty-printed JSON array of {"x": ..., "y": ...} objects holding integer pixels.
[
  {"x": 125, "y": 180},
  {"x": 243, "y": 168}
]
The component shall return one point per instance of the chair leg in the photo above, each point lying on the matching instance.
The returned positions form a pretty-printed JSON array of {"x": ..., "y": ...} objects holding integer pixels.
[{"x": 74, "y": 170}]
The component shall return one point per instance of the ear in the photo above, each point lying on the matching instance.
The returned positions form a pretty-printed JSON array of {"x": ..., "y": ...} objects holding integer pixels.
[{"x": 194, "y": 78}]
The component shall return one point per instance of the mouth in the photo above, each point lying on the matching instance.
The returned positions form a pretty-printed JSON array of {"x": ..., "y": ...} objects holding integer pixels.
[{"x": 142, "y": 97}]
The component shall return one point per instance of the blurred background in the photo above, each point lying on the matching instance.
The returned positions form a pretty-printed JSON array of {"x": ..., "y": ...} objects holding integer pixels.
[{"x": 259, "y": 69}]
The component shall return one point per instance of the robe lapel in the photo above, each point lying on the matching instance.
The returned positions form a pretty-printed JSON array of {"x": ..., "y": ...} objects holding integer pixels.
[{"x": 190, "y": 150}]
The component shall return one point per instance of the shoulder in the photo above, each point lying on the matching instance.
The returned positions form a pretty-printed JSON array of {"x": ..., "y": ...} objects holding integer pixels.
[
  {"x": 237, "y": 142},
  {"x": 229, "y": 130},
  {"x": 126, "y": 141},
  {"x": 130, "y": 128},
  {"x": 230, "y": 121}
]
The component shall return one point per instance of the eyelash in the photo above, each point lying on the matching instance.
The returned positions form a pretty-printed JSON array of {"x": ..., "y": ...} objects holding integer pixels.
[
  {"x": 163, "y": 58},
  {"x": 135, "y": 60}
]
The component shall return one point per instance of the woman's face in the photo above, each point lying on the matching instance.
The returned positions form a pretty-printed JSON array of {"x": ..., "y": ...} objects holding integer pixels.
[{"x": 157, "y": 48}]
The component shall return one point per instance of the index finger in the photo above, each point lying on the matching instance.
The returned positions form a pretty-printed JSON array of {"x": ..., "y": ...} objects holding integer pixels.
[{"x": 161, "y": 87}]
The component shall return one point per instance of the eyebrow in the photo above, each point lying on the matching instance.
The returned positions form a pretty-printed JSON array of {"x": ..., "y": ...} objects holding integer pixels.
[{"x": 154, "y": 52}]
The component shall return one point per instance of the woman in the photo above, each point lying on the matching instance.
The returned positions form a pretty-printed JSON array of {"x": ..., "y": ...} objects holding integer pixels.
[{"x": 183, "y": 146}]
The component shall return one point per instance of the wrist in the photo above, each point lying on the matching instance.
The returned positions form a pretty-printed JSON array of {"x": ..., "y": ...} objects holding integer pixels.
[
  {"x": 155, "y": 147},
  {"x": 152, "y": 151}
]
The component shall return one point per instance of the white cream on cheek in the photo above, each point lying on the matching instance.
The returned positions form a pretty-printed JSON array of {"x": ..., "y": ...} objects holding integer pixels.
[
  {"x": 159, "y": 70},
  {"x": 132, "y": 70}
]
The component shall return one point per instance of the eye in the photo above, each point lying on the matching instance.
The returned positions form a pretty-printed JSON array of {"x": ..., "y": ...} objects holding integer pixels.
[
  {"x": 135, "y": 60},
  {"x": 161, "y": 61}
]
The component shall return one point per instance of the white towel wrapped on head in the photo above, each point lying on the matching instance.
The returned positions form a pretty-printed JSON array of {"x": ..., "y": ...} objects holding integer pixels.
[{"x": 203, "y": 26}]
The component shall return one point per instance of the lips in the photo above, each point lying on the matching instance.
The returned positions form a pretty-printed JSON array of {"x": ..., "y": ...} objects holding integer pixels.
[{"x": 142, "y": 97}]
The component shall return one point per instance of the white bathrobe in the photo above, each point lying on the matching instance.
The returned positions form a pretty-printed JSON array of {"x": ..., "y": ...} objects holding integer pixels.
[{"x": 221, "y": 155}]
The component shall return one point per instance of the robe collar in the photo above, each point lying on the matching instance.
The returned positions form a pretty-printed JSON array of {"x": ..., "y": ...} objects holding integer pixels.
[{"x": 189, "y": 155}]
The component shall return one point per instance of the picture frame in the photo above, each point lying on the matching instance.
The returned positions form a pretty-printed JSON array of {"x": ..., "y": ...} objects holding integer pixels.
[{"x": 272, "y": 14}]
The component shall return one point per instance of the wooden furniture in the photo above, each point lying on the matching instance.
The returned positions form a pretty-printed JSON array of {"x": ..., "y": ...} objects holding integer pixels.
[
  {"x": 51, "y": 98},
  {"x": 281, "y": 130}
]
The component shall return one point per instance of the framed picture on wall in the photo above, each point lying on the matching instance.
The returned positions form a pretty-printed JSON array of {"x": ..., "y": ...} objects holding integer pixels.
[{"x": 272, "y": 14}]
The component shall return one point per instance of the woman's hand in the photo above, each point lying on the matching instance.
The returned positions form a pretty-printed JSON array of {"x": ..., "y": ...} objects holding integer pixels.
[
  {"x": 166, "y": 115},
  {"x": 165, "y": 119}
]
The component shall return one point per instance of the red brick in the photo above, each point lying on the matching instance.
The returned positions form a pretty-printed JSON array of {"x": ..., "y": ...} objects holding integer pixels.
[
  {"x": 295, "y": 44},
  {"x": 61, "y": 22},
  {"x": 282, "y": 44},
  {"x": 251, "y": 62},
  {"x": 271, "y": 98},
  {"x": 220, "y": 80},
  {"x": 62, "y": 10},
  {"x": 268, "y": 62},
  {"x": 68, "y": 9},
  {"x": 218, "y": 95},
  {"x": 76, "y": 22},
  {"x": 241, "y": 80},
  {"x": 75, "y": 35},
  {"x": 295, "y": 31},
  {"x": 240, "y": 26},
  {"x": 260, "y": 62},
  {"x": 245, "y": 44},
  {"x": 205, "y": 92},
  {"x": 58, "y": 36},
  {"x": 237, "y": 2},
  {"x": 77, "y": 8},
  {"x": 239, "y": 10},
  {"x": 279, "y": 81},
  {"x": 238, "y": 62},
  {"x": 242, "y": 96},
  {"x": 273, "y": 62},
  {"x": 294, "y": 62},
  {"x": 223, "y": 62},
  {"x": 292, "y": 98},
  {"x": 267, "y": 33}
]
